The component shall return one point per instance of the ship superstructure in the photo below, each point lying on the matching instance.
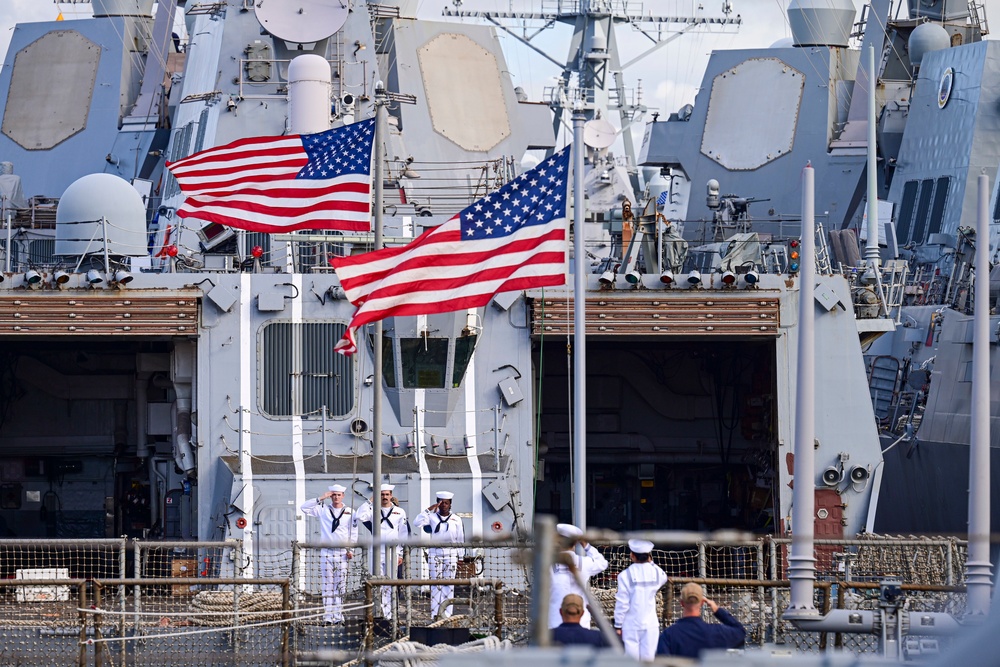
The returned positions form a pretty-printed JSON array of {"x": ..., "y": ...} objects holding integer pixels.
[{"x": 192, "y": 365}]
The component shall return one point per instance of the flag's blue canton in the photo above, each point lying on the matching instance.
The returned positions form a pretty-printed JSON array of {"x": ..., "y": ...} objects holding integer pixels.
[
  {"x": 662, "y": 199},
  {"x": 345, "y": 150},
  {"x": 533, "y": 198}
]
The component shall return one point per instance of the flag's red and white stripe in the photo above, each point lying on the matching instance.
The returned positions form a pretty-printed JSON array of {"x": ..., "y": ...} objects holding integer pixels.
[
  {"x": 440, "y": 273},
  {"x": 251, "y": 184}
]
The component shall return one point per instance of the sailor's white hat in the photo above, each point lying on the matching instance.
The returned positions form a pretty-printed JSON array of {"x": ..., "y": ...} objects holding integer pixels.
[
  {"x": 339, "y": 488},
  {"x": 388, "y": 487},
  {"x": 640, "y": 546},
  {"x": 568, "y": 530},
  {"x": 444, "y": 495}
]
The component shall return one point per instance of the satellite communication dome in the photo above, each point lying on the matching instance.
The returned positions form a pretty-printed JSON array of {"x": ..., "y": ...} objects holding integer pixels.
[
  {"x": 599, "y": 133},
  {"x": 783, "y": 43},
  {"x": 821, "y": 22},
  {"x": 927, "y": 37},
  {"x": 88, "y": 200},
  {"x": 302, "y": 22}
]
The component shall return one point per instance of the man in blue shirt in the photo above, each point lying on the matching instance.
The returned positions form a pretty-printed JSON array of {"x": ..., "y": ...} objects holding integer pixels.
[
  {"x": 690, "y": 635},
  {"x": 570, "y": 631}
]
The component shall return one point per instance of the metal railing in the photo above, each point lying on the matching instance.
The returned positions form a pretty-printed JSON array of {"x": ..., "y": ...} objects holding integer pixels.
[{"x": 138, "y": 602}]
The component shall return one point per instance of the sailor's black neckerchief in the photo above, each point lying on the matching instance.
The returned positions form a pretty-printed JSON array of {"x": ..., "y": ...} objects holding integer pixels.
[{"x": 335, "y": 524}]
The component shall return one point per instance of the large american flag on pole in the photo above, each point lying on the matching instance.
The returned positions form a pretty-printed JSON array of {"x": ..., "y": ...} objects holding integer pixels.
[
  {"x": 280, "y": 184},
  {"x": 512, "y": 239}
]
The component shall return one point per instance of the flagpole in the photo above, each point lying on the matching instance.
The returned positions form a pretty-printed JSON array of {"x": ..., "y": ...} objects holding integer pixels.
[
  {"x": 579, "y": 490},
  {"x": 377, "y": 169}
]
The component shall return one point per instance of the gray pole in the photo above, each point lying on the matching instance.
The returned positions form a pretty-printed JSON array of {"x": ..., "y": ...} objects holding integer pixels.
[
  {"x": 541, "y": 591},
  {"x": 107, "y": 259},
  {"x": 871, "y": 248},
  {"x": 801, "y": 564},
  {"x": 978, "y": 564},
  {"x": 7, "y": 249},
  {"x": 579, "y": 489},
  {"x": 377, "y": 384}
]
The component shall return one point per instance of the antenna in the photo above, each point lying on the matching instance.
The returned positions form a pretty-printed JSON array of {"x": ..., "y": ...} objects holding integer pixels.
[{"x": 599, "y": 133}]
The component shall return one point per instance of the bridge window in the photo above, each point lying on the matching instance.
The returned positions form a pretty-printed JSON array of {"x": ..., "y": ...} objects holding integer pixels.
[
  {"x": 464, "y": 346},
  {"x": 424, "y": 361}
]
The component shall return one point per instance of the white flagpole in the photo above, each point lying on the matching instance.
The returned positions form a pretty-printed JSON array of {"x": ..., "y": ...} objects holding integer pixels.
[
  {"x": 377, "y": 348},
  {"x": 579, "y": 480}
]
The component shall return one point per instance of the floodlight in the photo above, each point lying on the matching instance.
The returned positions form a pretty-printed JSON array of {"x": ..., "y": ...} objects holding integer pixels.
[
  {"x": 94, "y": 277},
  {"x": 121, "y": 277},
  {"x": 728, "y": 278},
  {"x": 607, "y": 279},
  {"x": 32, "y": 277},
  {"x": 694, "y": 278},
  {"x": 667, "y": 277},
  {"x": 633, "y": 277},
  {"x": 60, "y": 277}
]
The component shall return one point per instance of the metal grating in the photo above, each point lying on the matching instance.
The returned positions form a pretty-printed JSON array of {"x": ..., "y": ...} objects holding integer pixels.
[
  {"x": 100, "y": 313},
  {"x": 301, "y": 372},
  {"x": 739, "y": 313}
]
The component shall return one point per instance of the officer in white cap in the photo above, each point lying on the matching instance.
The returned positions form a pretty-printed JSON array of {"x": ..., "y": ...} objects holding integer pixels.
[
  {"x": 591, "y": 562},
  {"x": 442, "y": 527},
  {"x": 635, "y": 602},
  {"x": 337, "y": 524},
  {"x": 394, "y": 527}
]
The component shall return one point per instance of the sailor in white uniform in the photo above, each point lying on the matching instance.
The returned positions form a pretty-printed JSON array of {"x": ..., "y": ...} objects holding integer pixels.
[
  {"x": 635, "y": 602},
  {"x": 394, "y": 526},
  {"x": 442, "y": 527},
  {"x": 591, "y": 562},
  {"x": 337, "y": 524}
]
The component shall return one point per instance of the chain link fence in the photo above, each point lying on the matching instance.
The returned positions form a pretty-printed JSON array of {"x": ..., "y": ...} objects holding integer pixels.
[{"x": 134, "y": 602}]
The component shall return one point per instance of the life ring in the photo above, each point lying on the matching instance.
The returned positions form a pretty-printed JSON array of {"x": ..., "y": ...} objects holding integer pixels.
[{"x": 241, "y": 523}]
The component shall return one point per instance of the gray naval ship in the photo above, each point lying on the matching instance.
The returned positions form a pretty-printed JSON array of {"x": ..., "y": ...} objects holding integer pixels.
[
  {"x": 936, "y": 120},
  {"x": 165, "y": 377}
]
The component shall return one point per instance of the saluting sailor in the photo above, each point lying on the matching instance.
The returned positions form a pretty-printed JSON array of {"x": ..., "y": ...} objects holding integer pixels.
[
  {"x": 635, "y": 602},
  {"x": 591, "y": 562},
  {"x": 394, "y": 526},
  {"x": 337, "y": 524},
  {"x": 443, "y": 527}
]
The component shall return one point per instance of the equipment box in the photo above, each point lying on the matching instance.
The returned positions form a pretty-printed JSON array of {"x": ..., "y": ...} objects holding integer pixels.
[
  {"x": 42, "y": 593},
  {"x": 182, "y": 567}
]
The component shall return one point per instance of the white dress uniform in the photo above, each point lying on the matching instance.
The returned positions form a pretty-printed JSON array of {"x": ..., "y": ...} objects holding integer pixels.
[
  {"x": 563, "y": 582},
  {"x": 336, "y": 525},
  {"x": 443, "y": 561},
  {"x": 635, "y": 604},
  {"x": 394, "y": 526}
]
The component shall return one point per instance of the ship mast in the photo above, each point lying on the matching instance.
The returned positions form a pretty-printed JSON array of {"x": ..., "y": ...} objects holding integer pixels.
[{"x": 592, "y": 75}]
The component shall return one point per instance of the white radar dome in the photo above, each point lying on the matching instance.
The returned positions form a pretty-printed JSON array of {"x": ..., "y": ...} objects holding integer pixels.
[
  {"x": 309, "y": 80},
  {"x": 88, "y": 201},
  {"x": 927, "y": 37}
]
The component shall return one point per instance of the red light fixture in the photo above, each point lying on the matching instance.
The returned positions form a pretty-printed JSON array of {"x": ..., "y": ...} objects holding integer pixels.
[
  {"x": 257, "y": 252},
  {"x": 171, "y": 251}
]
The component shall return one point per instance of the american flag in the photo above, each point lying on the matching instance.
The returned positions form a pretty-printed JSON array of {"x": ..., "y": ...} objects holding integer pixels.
[
  {"x": 280, "y": 184},
  {"x": 512, "y": 239}
]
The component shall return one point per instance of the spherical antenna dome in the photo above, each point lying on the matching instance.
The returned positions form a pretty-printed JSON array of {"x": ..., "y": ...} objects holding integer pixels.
[
  {"x": 927, "y": 37},
  {"x": 783, "y": 43},
  {"x": 88, "y": 200}
]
